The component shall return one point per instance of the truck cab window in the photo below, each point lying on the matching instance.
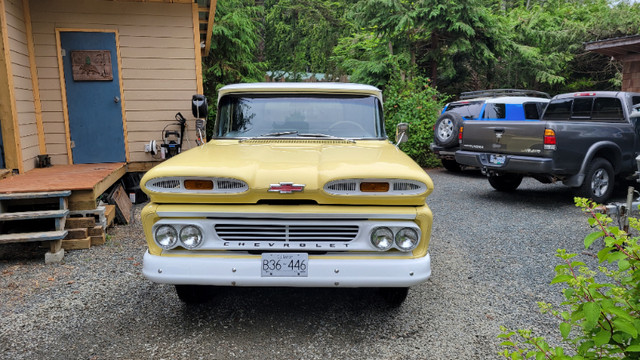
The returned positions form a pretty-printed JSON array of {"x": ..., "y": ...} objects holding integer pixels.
[
  {"x": 608, "y": 109},
  {"x": 582, "y": 108}
]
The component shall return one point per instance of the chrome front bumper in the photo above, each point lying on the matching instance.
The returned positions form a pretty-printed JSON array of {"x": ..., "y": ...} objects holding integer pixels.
[{"x": 322, "y": 272}]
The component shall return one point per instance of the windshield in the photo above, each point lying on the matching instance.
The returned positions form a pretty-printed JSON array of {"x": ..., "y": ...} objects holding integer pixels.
[
  {"x": 248, "y": 116},
  {"x": 466, "y": 109}
]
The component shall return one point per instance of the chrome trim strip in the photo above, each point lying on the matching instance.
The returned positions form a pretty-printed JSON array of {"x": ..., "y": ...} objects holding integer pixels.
[{"x": 181, "y": 214}]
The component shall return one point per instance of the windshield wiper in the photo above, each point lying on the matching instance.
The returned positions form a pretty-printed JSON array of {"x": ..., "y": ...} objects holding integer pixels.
[
  {"x": 280, "y": 133},
  {"x": 274, "y": 134},
  {"x": 326, "y": 136}
]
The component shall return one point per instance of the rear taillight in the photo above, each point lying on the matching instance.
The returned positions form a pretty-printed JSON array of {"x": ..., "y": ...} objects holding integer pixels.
[
  {"x": 549, "y": 139},
  {"x": 460, "y": 134}
]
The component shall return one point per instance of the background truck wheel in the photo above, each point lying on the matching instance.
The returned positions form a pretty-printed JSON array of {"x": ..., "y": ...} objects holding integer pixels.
[
  {"x": 598, "y": 181},
  {"x": 394, "y": 297},
  {"x": 447, "y": 128},
  {"x": 451, "y": 165},
  {"x": 505, "y": 182},
  {"x": 194, "y": 294}
]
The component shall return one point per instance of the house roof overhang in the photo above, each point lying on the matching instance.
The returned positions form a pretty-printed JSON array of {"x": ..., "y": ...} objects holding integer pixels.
[
  {"x": 625, "y": 48},
  {"x": 206, "y": 14}
]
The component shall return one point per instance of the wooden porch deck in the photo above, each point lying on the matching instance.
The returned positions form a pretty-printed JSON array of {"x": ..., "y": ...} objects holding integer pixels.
[{"x": 86, "y": 181}]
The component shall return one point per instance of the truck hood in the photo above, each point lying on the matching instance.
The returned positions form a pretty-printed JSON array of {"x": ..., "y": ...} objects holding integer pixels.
[{"x": 311, "y": 163}]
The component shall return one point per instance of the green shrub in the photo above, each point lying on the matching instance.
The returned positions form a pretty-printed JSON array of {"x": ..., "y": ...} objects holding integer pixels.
[
  {"x": 599, "y": 320},
  {"x": 414, "y": 102}
]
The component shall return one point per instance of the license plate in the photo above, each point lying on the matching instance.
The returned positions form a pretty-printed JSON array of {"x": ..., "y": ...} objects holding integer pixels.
[
  {"x": 497, "y": 159},
  {"x": 285, "y": 264}
]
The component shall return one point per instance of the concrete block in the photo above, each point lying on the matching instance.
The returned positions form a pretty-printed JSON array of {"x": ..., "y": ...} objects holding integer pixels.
[{"x": 54, "y": 258}]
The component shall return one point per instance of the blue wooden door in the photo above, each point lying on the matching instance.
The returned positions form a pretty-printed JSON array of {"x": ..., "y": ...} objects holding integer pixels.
[{"x": 93, "y": 97}]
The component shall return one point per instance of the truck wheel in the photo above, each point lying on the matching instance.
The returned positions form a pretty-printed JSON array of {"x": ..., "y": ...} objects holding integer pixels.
[
  {"x": 194, "y": 294},
  {"x": 598, "y": 181},
  {"x": 394, "y": 297},
  {"x": 451, "y": 165},
  {"x": 447, "y": 128},
  {"x": 505, "y": 182}
]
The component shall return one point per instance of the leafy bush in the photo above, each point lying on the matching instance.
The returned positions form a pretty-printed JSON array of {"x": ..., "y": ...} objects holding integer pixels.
[
  {"x": 601, "y": 320},
  {"x": 414, "y": 102}
]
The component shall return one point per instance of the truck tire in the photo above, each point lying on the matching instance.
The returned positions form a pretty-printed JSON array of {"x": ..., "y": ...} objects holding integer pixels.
[
  {"x": 194, "y": 294},
  {"x": 451, "y": 165},
  {"x": 394, "y": 297},
  {"x": 446, "y": 129},
  {"x": 505, "y": 182},
  {"x": 598, "y": 181}
]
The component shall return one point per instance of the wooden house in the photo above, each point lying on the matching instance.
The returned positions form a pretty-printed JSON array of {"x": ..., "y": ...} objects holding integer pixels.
[
  {"x": 627, "y": 51},
  {"x": 93, "y": 81},
  {"x": 85, "y": 85}
]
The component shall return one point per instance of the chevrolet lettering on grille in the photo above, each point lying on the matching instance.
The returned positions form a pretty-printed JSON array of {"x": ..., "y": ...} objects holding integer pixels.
[{"x": 286, "y": 188}]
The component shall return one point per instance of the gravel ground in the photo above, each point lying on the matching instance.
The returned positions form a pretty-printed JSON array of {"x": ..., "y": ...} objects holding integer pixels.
[{"x": 492, "y": 260}]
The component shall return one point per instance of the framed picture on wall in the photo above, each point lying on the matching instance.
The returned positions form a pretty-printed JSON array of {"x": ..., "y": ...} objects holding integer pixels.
[{"x": 91, "y": 65}]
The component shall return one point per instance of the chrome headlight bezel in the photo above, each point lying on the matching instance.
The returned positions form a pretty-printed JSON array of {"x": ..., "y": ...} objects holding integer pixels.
[
  {"x": 196, "y": 233},
  {"x": 381, "y": 234},
  {"x": 160, "y": 238},
  {"x": 404, "y": 235}
]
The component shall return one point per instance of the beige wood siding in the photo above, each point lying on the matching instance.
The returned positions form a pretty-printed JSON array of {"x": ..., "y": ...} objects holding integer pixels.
[
  {"x": 23, "y": 88},
  {"x": 157, "y": 60}
]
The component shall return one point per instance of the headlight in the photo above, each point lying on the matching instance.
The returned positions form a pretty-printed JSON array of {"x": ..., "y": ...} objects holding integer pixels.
[
  {"x": 166, "y": 236},
  {"x": 382, "y": 238},
  {"x": 407, "y": 239},
  {"x": 191, "y": 236}
]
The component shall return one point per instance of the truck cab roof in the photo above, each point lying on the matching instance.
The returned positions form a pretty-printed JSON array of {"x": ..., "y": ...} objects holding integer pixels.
[{"x": 297, "y": 88}]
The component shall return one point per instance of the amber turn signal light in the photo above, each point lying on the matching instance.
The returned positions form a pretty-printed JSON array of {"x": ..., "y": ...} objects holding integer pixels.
[
  {"x": 198, "y": 184},
  {"x": 374, "y": 187}
]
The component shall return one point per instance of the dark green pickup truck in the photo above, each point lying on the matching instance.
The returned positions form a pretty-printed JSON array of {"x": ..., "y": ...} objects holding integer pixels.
[{"x": 584, "y": 139}]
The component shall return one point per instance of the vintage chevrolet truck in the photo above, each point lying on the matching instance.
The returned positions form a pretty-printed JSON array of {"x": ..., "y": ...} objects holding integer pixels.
[
  {"x": 584, "y": 139},
  {"x": 298, "y": 187}
]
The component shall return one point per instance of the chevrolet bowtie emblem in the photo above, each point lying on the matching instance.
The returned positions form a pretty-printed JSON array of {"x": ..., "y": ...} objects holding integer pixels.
[{"x": 286, "y": 188}]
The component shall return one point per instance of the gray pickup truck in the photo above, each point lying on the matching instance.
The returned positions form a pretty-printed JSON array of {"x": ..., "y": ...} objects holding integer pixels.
[{"x": 585, "y": 139}]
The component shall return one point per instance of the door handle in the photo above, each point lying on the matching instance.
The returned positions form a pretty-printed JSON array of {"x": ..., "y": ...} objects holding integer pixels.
[{"x": 116, "y": 99}]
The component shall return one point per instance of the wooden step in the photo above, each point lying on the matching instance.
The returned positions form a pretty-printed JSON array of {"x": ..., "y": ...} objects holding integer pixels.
[
  {"x": 37, "y": 236},
  {"x": 35, "y": 195},
  {"x": 32, "y": 215}
]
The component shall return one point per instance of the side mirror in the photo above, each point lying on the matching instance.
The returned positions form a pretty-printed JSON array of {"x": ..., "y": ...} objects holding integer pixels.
[
  {"x": 402, "y": 133},
  {"x": 199, "y": 106}
]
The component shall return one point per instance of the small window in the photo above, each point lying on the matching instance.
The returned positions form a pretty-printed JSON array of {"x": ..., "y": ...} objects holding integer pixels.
[
  {"x": 495, "y": 111},
  {"x": 558, "y": 110},
  {"x": 582, "y": 108},
  {"x": 607, "y": 109},
  {"x": 635, "y": 100},
  {"x": 531, "y": 111}
]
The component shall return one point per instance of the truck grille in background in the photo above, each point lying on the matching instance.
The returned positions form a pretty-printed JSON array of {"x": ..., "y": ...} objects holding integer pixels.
[{"x": 260, "y": 232}]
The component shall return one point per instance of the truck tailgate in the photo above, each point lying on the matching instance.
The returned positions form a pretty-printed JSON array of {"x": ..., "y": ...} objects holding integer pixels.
[{"x": 504, "y": 137}]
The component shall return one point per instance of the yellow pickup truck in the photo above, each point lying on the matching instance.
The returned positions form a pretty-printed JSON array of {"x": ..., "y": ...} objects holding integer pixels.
[{"x": 299, "y": 186}]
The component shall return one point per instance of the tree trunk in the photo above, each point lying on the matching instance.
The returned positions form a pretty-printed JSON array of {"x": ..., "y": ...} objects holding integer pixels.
[{"x": 434, "y": 61}]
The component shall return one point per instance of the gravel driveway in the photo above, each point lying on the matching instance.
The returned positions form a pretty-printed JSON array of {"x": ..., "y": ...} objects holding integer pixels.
[{"x": 493, "y": 258}]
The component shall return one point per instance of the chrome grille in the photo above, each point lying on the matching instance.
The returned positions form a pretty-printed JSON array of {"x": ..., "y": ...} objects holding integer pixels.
[
  {"x": 343, "y": 186},
  {"x": 301, "y": 233},
  {"x": 167, "y": 184},
  {"x": 405, "y": 186},
  {"x": 230, "y": 184}
]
